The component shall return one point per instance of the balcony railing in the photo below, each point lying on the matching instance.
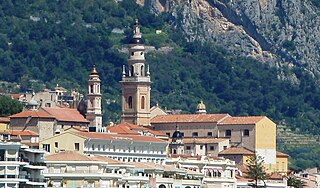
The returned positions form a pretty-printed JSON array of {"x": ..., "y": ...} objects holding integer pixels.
[{"x": 136, "y": 79}]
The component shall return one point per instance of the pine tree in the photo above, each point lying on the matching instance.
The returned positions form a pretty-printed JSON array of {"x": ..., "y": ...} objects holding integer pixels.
[{"x": 256, "y": 171}]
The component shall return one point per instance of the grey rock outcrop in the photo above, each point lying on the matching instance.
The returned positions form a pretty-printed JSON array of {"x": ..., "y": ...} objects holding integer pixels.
[{"x": 283, "y": 33}]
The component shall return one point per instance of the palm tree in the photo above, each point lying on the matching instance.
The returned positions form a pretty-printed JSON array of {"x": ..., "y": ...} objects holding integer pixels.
[{"x": 294, "y": 182}]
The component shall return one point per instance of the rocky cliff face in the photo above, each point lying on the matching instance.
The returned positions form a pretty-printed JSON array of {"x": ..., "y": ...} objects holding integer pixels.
[{"x": 284, "y": 33}]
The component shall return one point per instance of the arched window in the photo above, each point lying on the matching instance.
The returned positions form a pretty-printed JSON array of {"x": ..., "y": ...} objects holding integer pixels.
[
  {"x": 132, "y": 70},
  {"x": 130, "y": 102},
  {"x": 142, "y": 70},
  {"x": 142, "y": 102}
]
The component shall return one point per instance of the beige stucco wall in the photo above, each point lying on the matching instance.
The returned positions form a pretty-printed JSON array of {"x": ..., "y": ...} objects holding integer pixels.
[
  {"x": 237, "y": 138},
  {"x": 65, "y": 141},
  {"x": 188, "y": 128},
  {"x": 266, "y": 134}
]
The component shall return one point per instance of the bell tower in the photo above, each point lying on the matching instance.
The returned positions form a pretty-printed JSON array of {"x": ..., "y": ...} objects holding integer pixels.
[
  {"x": 94, "y": 114},
  {"x": 136, "y": 83}
]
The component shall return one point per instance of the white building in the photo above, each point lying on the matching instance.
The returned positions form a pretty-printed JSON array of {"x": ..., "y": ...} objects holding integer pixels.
[
  {"x": 128, "y": 148},
  {"x": 217, "y": 172},
  {"x": 19, "y": 165}
]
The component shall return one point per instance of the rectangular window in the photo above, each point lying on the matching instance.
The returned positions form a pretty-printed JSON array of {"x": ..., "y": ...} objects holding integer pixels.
[
  {"x": 225, "y": 147},
  {"x": 46, "y": 147},
  {"x": 195, "y": 134},
  {"x": 201, "y": 147},
  {"x": 246, "y": 132},
  {"x": 76, "y": 146},
  {"x": 228, "y": 133},
  {"x": 209, "y": 133},
  {"x": 188, "y": 148},
  {"x": 56, "y": 144},
  {"x": 211, "y": 148}
]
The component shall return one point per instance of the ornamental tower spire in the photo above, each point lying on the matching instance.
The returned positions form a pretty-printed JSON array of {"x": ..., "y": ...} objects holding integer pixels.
[
  {"x": 136, "y": 83},
  {"x": 94, "y": 114}
]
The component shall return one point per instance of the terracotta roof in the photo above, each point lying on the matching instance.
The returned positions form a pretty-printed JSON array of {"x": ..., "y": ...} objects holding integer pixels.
[
  {"x": 186, "y": 118},
  {"x": 67, "y": 156},
  {"x": 124, "y": 128},
  {"x": 24, "y": 133},
  {"x": 203, "y": 140},
  {"x": 77, "y": 128},
  {"x": 105, "y": 159},
  {"x": 127, "y": 128},
  {"x": 236, "y": 151},
  {"x": 108, "y": 136},
  {"x": 276, "y": 176},
  {"x": 66, "y": 114},
  {"x": 280, "y": 154},
  {"x": 157, "y": 133},
  {"x": 242, "y": 120},
  {"x": 4, "y": 119},
  {"x": 16, "y": 96},
  {"x": 31, "y": 113}
]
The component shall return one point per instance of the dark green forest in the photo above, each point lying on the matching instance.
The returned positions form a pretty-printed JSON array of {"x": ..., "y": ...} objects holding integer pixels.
[{"x": 44, "y": 43}]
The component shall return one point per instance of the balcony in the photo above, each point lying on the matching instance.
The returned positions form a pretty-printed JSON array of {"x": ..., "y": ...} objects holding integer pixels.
[{"x": 136, "y": 79}]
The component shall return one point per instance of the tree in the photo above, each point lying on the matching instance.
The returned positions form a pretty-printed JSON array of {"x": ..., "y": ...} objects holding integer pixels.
[
  {"x": 256, "y": 171},
  {"x": 9, "y": 106},
  {"x": 294, "y": 182}
]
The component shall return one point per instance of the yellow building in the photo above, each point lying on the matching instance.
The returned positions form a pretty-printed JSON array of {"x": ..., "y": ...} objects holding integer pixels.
[
  {"x": 66, "y": 141},
  {"x": 256, "y": 133},
  {"x": 241, "y": 155},
  {"x": 4, "y": 123}
]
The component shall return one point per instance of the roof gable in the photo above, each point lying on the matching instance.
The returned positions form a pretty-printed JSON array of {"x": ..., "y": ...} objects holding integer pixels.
[
  {"x": 236, "y": 151},
  {"x": 74, "y": 133},
  {"x": 65, "y": 114}
]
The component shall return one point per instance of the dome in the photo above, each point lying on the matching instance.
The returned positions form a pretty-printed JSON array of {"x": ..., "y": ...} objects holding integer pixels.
[
  {"x": 94, "y": 71},
  {"x": 136, "y": 41},
  {"x": 177, "y": 134},
  {"x": 201, "y": 106},
  {"x": 33, "y": 103}
]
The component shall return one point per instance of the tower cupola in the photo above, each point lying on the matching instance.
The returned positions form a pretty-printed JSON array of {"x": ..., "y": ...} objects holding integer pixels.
[
  {"x": 136, "y": 82},
  {"x": 201, "y": 108}
]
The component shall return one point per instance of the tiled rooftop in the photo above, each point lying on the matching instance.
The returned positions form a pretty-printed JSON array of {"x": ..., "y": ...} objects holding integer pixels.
[
  {"x": 108, "y": 136},
  {"x": 127, "y": 128},
  {"x": 66, "y": 114},
  {"x": 185, "y": 118},
  {"x": 236, "y": 151},
  {"x": 242, "y": 120},
  {"x": 36, "y": 113}
]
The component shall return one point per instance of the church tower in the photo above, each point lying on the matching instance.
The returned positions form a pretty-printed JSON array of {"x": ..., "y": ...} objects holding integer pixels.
[
  {"x": 94, "y": 114},
  {"x": 136, "y": 83}
]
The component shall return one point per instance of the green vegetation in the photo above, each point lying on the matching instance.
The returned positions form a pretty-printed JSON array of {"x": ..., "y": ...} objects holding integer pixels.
[
  {"x": 289, "y": 45},
  {"x": 44, "y": 43},
  {"x": 294, "y": 182},
  {"x": 9, "y": 106},
  {"x": 256, "y": 171}
]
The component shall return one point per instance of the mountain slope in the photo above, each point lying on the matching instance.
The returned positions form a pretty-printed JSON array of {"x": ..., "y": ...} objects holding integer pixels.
[
  {"x": 282, "y": 33},
  {"x": 44, "y": 43}
]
